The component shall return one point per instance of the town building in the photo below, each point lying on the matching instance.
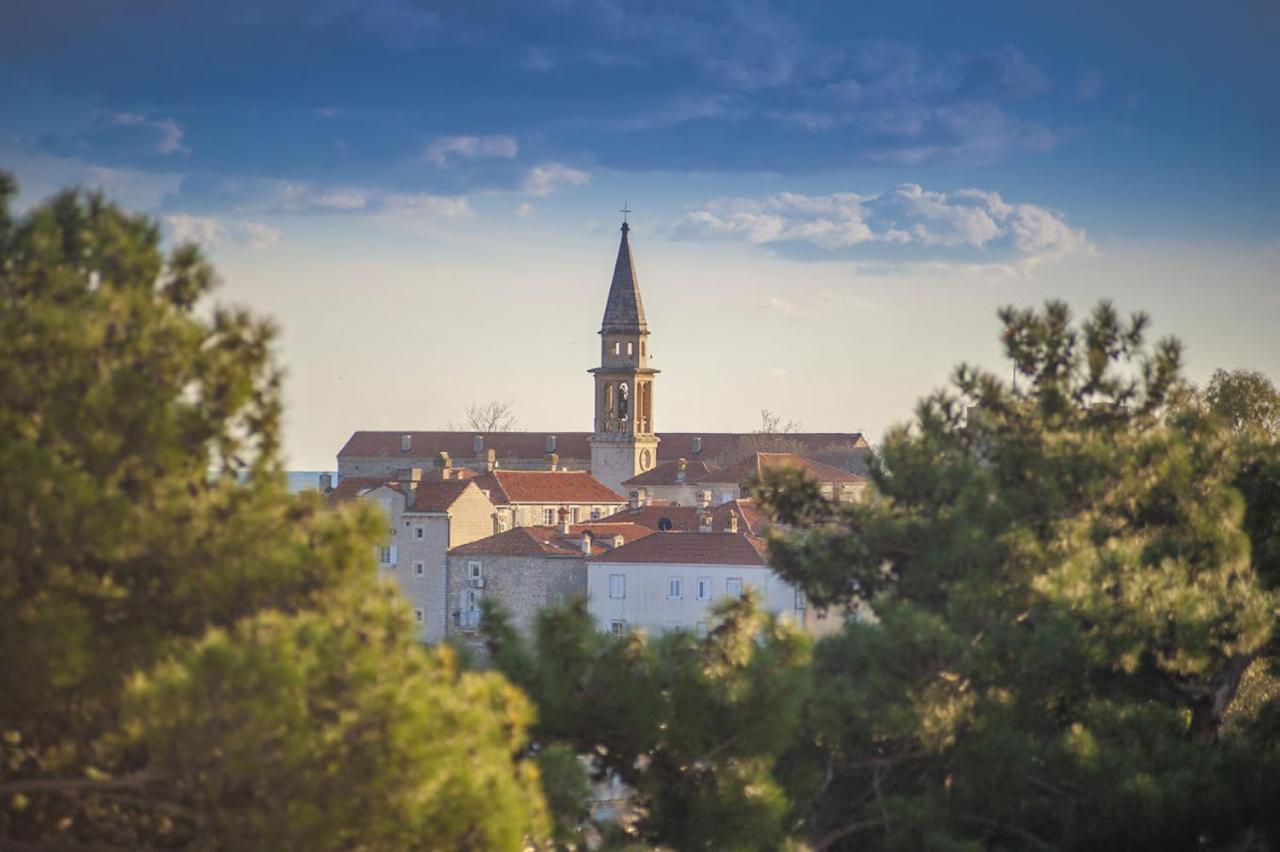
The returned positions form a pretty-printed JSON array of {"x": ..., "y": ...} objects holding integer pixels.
[
  {"x": 672, "y": 580},
  {"x": 531, "y": 519},
  {"x": 686, "y": 483},
  {"x": 528, "y": 568},
  {"x": 425, "y": 519},
  {"x": 525, "y": 498},
  {"x": 624, "y": 441}
]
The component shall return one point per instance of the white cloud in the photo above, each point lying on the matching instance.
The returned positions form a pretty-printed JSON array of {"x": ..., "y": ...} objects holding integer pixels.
[
  {"x": 524, "y": 210},
  {"x": 551, "y": 177},
  {"x": 210, "y": 231},
  {"x": 965, "y": 223},
  {"x": 426, "y": 204},
  {"x": 169, "y": 134},
  {"x": 448, "y": 150}
]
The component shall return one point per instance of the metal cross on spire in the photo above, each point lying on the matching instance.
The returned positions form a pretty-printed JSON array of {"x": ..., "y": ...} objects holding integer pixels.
[{"x": 624, "y": 211}]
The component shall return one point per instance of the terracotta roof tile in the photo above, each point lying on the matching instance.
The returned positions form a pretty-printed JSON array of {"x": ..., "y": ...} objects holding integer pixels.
[
  {"x": 351, "y": 487},
  {"x": 668, "y": 473},
  {"x": 545, "y": 486},
  {"x": 436, "y": 495},
  {"x": 690, "y": 548},
  {"x": 549, "y": 541},
  {"x": 751, "y": 467},
  {"x": 426, "y": 446},
  {"x": 685, "y": 518},
  {"x": 430, "y": 495}
]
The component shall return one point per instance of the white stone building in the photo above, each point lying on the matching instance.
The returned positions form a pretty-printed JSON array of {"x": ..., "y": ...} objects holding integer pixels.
[{"x": 671, "y": 580}]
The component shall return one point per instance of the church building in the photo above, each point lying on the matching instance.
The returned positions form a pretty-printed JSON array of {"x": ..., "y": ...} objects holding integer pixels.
[{"x": 624, "y": 442}]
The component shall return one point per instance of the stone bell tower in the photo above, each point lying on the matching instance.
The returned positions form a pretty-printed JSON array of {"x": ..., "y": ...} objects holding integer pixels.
[{"x": 624, "y": 443}]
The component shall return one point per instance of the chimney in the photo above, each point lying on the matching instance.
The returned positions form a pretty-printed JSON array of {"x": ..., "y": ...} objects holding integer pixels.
[
  {"x": 682, "y": 469},
  {"x": 697, "y": 446},
  {"x": 444, "y": 465},
  {"x": 634, "y": 500},
  {"x": 644, "y": 496},
  {"x": 563, "y": 526},
  {"x": 731, "y": 525},
  {"x": 704, "y": 522},
  {"x": 490, "y": 464},
  {"x": 551, "y": 443},
  {"x": 586, "y": 544},
  {"x": 406, "y": 443},
  {"x": 552, "y": 461},
  {"x": 409, "y": 478},
  {"x": 704, "y": 499},
  {"x": 326, "y": 483},
  {"x": 618, "y": 541},
  {"x": 477, "y": 444}
]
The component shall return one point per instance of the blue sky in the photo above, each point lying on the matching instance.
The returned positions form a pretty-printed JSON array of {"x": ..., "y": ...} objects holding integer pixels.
[{"x": 830, "y": 199}]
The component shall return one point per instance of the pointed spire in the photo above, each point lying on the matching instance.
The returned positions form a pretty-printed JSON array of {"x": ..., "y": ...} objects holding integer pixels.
[{"x": 624, "y": 312}]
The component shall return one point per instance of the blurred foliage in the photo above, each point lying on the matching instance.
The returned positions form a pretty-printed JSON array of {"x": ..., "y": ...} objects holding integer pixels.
[
  {"x": 191, "y": 656},
  {"x": 694, "y": 726},
  {"x": 1067, "y": 602}
]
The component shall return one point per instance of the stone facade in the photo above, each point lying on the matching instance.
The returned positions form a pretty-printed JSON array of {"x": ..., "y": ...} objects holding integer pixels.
[
  {"x": 523, "y": 584},
  {"x": 418, "y": 542}
]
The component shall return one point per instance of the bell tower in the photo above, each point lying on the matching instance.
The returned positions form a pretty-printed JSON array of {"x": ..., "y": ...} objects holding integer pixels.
[{"x": 624, "y": 443}]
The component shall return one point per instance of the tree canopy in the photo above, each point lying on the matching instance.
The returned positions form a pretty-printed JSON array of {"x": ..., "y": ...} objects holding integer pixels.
[
  {"x": 1066, "y": 602},
  {"x": 193, "y": 657}
]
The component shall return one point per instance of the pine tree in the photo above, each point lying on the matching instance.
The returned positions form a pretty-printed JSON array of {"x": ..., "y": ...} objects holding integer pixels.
[
  {"x": 191, "y": 656},
  {"x": 693, "y": 726},
  {"x": 1065, "y": 606}
]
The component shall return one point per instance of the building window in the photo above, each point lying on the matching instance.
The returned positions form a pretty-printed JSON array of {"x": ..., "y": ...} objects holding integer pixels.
[
  {"x": 549, "y": 517},
  {"x": 704, "y": 588},
  {"x": 418, "y": 615},
  {"x": 419, "y": 569},
  {"x": 419, "y": 533},
  {"x": 701, "y": 630},
  {"x": 618, "y": 628},
  {"x": 387, "y": 556},
  {"x": 674, "y": 588},
  {"x": 617, "y": 585},
  {"x": 617, "y": 347},
  {"x": 629, "y": 344},
  {"x": 801, "y": 603},
  {"x": 733, "y": 587},
  {"x": 595, "y": 513},
  {"x": 576, "y": 513}
]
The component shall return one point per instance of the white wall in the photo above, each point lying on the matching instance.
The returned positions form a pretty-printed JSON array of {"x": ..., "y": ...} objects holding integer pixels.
[{"x": 647, "y": 606}]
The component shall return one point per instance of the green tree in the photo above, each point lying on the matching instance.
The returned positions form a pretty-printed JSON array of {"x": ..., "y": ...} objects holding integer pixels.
[
  {"x": 693, "y": 726},
  {"x": 1065, "y": 606},
  {"x": 1249, "y": 405},
  {"x": 192, "y": 657}
]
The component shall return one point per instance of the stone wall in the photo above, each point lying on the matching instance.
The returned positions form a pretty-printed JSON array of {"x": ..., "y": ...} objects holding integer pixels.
[{"x": 522, "y": 584}]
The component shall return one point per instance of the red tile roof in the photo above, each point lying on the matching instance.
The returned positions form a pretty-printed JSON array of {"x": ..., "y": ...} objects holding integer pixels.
[
  {"x": 750, "y": 468},
  {"x": 668, "y": 473},
  {"x": 430, "y": 495},
  {"x": 549, "y": 541},
  {"x": 426, "y": 446},
  {"x": 685, "y": 518},
  {"x": 545, "y": 486},
  {"x": 690, "y": 548},
  {"x": 351, "y": 487},
  {"x": 436, "y": 495}
]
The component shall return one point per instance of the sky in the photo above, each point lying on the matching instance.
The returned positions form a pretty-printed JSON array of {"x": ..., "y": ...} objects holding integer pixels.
[{"x": 829, "y": 201}]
